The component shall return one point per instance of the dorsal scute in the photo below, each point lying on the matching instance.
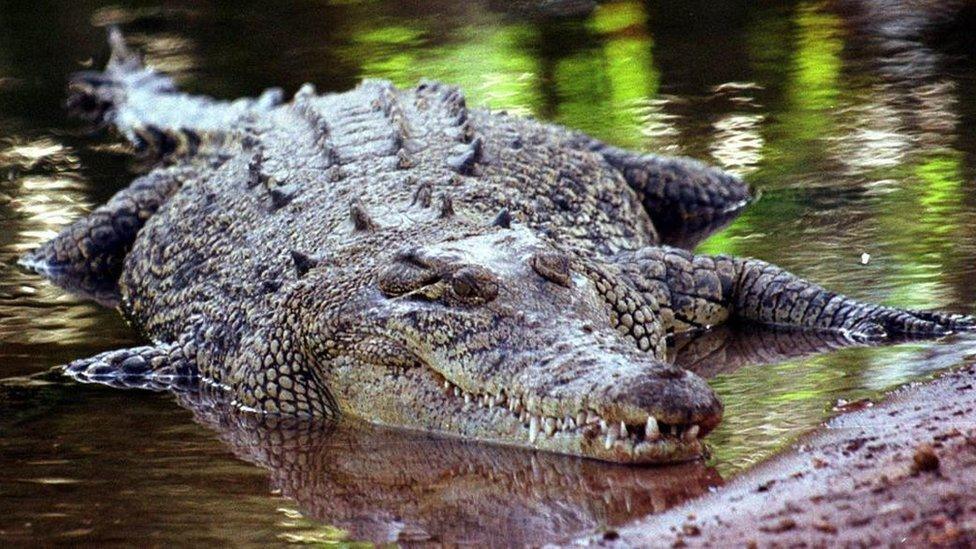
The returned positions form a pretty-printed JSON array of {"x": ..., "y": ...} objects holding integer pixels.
[
  {"x": 447, "y": 206},
  {"x": 303, "y": 262},
  {"x": 423, "y": 194},
  {"x": 464, "y": 157},
  {"x": 503, "y": 219},
  {"x": 281, "y": 195},
  {"x": 362, "y": 221},
  {"x": 304, "y": 104},
  {"x": 387, "y": 100},
  {"x": 455, "y": 106},
  {"x": 255, "y": 169}
]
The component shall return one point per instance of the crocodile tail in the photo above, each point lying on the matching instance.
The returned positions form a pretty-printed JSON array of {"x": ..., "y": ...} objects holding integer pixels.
[
  {"x": 96, "y": 95},
  {"x": 154, "y": 367},
  {"x": 146, "y": 107},
  {"x": 102, "y": 98},
  {"x": 123, "y": 58}
]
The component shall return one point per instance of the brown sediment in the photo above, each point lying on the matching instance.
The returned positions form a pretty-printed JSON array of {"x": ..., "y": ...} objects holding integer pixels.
[{"x": 902, "y": 472}]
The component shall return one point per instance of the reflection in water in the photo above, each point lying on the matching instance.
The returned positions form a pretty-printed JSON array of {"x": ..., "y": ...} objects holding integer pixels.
[
  {"x": 862, "y": 138},
  {"x": 738, "y": 143},
  {"x": 727, "y": 348},
  {"x": 382, "y": 485},
  {"x": 44, "y": 193}
]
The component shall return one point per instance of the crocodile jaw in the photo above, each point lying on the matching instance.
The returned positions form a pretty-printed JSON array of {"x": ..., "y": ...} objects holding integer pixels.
[{"x": 418, "y": 397}]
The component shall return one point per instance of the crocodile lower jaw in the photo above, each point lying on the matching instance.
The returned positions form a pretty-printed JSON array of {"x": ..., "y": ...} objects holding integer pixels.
[{"x": 586, "y": 433}]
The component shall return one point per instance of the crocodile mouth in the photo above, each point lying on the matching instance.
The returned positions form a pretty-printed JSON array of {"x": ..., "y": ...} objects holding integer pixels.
[
  {"x": 596, "y": 435},
  {"x": 504, "y": 416}
]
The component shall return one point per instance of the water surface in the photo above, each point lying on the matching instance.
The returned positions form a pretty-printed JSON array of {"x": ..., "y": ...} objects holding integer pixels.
[{"x": 859, "y": 144}]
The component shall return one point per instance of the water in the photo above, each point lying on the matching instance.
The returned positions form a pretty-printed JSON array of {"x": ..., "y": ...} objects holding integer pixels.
[{"x": 859, "y": 144}]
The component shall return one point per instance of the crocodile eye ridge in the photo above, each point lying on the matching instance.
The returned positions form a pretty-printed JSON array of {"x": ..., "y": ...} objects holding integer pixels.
[{"x": 404, "y": 275}]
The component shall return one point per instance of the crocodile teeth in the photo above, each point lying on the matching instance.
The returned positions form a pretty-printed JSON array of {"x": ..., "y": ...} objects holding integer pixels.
[
  {"x": 611, "y": 438},
  {"x": 582, "y": 419},
  {"x": 651, "y": 430}
]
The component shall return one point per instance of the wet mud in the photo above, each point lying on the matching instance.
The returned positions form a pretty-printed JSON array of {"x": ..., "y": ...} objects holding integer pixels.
[{"x": 902, "y": 472}]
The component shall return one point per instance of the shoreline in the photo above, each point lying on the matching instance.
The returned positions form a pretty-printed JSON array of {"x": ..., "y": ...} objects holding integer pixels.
[{"x": 902, "y": 471}]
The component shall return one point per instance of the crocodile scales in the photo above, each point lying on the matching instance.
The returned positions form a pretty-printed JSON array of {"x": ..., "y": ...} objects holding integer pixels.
[{"x": 398, "y": 257}]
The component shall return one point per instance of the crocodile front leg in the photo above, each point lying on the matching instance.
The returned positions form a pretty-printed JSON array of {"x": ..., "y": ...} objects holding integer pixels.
[
  {"x": 97, "y": 244},
  {"x": 698, "y": 292},
  {"x": 163, "y": 366}
]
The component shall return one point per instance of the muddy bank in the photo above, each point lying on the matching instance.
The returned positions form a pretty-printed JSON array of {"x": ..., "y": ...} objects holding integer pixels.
[{"x": 900, "y": 472}]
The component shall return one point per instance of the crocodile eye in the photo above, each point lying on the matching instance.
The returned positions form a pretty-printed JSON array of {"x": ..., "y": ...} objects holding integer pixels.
[
  {"x": 553, "y": 266},
  {"x": 474, "y": 285}
]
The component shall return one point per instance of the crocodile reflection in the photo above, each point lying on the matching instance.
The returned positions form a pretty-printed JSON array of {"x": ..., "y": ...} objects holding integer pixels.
[
  {"x": 725, "y": 349},
  {"x": 384, "y": 485}
]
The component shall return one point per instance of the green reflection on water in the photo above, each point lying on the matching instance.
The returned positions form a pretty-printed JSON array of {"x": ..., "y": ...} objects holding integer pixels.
[
  {"x": 801, "y": 122},
  {"x": 601, "y": 88},
  {"x": 491, "y": 63},
  {"x": 817, "y": 63},
  {"x": 605, "y": 75},
  {"x": 931, "y": 199}
]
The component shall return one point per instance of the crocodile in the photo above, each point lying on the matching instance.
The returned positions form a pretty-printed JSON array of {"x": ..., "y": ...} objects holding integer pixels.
[{"x": 398, "y": 257}]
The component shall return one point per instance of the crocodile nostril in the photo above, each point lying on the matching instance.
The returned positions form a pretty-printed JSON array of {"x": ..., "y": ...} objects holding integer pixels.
[{"x": 474, "y": 284}]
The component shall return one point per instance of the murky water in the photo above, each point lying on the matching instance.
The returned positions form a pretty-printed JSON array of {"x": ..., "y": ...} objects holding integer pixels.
[{"x": 860, "y": 144}]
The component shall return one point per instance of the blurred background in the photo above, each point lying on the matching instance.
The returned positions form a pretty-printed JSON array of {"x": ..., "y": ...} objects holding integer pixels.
[{"x": 855, "y": 119}]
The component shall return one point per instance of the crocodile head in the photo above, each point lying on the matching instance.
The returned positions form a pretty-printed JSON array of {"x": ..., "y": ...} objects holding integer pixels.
[{"x": 500, "y": 337}]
